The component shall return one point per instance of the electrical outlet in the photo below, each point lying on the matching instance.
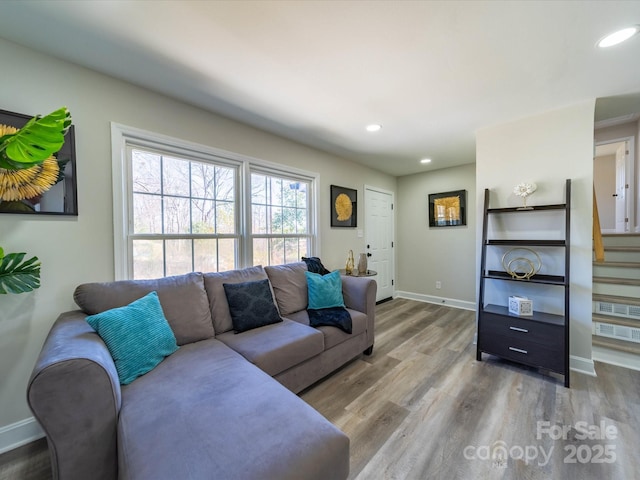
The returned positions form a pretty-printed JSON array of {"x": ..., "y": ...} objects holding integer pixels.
[{"x": 438, "y": 285}]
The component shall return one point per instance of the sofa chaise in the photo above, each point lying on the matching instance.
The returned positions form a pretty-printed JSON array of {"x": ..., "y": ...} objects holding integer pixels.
[{"x": 222, "y": 406}]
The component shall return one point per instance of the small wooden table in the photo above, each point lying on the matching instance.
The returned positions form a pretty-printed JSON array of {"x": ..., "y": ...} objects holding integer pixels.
[{"x": 354, "y": 273}]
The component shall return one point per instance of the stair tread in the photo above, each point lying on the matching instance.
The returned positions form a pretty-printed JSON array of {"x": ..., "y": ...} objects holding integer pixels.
[
  {"x": 617, "y": 264},
  {"x": 621, "y": 249},
  {"x": 600, "y": 297},
  {"x": 622, "y": 321},
  {"x": 617, "y": 281},
  {"x": 615, "y": 344}
]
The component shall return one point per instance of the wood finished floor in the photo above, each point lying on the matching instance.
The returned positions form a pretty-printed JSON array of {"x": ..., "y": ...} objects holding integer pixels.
[{"x": 421, "y": 407}]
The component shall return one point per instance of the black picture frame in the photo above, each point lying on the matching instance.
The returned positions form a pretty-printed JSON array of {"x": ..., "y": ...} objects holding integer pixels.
[
  {"x": 344, "y": 207},
  {"x": 448, "y": 209},
  {"x": 61, "y": 198}
]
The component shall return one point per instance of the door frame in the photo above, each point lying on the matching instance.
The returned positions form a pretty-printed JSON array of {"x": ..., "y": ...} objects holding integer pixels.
[
  {"x": 393, "y": 228},
  {"x": 630, "y": 169}
]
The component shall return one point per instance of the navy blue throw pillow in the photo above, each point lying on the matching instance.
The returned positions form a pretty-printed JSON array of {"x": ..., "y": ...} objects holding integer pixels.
[
  {"x": 331, "y": 317},
  {"x": 251, "y": 305}
]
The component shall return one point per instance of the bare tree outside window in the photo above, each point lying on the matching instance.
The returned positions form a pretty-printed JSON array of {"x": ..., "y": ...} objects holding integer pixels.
[
  {"x": 280, "y": 219},
  {"x": 181, "y": 210},
  {"x": 185, "y": 213}
]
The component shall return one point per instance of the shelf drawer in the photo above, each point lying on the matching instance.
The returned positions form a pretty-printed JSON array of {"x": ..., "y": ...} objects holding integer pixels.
[
  {"x": 528, "y": 353},
  {"x": 521, "y": 329}
]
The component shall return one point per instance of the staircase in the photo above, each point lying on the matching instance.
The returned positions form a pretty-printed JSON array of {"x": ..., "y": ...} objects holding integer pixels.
[{"x": 616, "y": 302}]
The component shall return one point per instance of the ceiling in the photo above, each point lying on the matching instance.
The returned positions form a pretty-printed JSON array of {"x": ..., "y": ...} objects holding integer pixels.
[{"x": 431, "y": 72}]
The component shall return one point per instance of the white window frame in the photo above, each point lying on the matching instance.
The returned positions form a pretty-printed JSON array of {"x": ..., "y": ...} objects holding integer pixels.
[
  {"x": 123, "y": 136},
  {"x": 286, "y": 175}
]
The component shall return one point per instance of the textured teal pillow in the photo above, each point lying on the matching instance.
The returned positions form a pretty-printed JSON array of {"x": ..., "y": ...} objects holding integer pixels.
[
  {"x": 138, "y": 336},
  {"x": 325, "y": 291}
]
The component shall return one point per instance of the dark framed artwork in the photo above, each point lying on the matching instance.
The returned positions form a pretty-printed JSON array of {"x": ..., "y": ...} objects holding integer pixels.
[
  {"x": 59, "y": 198},
  {"x": 448, "y": 209},
  {"x": 344, "y": 203}
]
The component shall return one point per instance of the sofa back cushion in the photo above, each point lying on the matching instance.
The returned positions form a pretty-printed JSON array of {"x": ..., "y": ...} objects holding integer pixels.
[
  {"x": 183, "y": 300},
  {"x": 289, "y": 286},
  {"x": 218, "y": 304}
]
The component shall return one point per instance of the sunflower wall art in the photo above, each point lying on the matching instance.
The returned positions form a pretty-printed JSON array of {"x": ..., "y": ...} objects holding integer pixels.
[
  {"x": 34, "y": 185},
  {"x": 344, "y": 211}
]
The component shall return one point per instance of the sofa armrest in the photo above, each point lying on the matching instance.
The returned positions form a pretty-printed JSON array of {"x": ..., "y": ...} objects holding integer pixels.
[
  {"x": 360, "y": 294},
  {"x": 74, "y": 393}
]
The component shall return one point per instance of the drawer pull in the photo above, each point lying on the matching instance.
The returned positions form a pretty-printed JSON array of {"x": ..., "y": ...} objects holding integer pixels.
[
  {"x": 518, "y": 329},
  {"x": 519, "y": 350}
]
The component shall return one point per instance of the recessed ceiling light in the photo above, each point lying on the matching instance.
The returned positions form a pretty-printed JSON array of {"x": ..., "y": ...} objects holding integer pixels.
[
  {"x": 374, "y": 127},
  {"x": 618, "y": 37},
  {"x": 425, "y": 160}
]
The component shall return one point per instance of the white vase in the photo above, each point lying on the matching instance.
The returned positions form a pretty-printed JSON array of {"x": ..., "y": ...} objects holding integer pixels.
[{"x": 362, "y": 264}]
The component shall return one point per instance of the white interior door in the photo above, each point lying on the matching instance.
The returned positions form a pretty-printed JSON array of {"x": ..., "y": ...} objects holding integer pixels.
[
  {"x": 379, "y": 238},
  {"x": 622, "y": 224}
]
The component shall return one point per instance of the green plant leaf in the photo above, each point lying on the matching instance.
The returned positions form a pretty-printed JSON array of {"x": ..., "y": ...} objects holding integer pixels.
[
  {"x": 40, "y": 138},
  {"x": 18, "y": 276}
]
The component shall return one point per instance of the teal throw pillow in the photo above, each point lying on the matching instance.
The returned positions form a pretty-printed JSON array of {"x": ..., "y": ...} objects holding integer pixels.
[
  {"x": 138, "y": 336},
  {"x": 325, "y": 291}
]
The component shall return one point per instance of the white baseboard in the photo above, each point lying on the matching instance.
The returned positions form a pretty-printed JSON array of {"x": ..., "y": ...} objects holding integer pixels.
[
  {"x": 449, "y": 302},
  {"x": 582, "y": 365},
  {"x": 19, "y": 433},
  {"x": 615, "y": 357}
]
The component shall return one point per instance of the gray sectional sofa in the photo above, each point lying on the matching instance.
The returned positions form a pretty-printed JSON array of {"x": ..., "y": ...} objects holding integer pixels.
[{"x": 222, "y": 406}]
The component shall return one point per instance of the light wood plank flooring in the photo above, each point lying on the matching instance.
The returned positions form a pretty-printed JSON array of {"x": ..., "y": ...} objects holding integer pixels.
[{"x": 421, "y": 407}]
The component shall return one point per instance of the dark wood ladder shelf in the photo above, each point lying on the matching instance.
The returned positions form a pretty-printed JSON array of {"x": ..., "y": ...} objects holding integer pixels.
[{"x": 538, "y": 340}]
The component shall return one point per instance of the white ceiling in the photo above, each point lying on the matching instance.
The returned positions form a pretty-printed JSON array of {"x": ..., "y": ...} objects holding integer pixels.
[{"x": 431, "y": 72}]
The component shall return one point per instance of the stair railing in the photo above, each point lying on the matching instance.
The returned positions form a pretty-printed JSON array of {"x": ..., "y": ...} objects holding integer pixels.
[{"x": 598, "y": 245}]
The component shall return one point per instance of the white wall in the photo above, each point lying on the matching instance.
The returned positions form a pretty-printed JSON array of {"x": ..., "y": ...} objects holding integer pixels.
[
  {"x": 76, "y": 250},
  {"x": 445, "y": 254},
  {"x": 547, "y": 149}
]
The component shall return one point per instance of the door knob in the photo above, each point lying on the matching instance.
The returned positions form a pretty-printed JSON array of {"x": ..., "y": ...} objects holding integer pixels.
[
  {"x": 614, "y": 195},
  {"x": 368, "y": 254}
]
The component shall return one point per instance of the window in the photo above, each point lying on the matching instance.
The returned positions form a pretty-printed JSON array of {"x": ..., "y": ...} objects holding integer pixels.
[
  {"x": 279, "y": 218},
  {"x": 180, "y": 207},
  {"x": 183, "y": 216}
]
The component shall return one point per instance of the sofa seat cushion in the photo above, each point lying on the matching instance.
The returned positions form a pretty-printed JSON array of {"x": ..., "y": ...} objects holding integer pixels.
[
  {"x": 333, "y": 335},
  {"x": 183, "y": 298},
  {"x": 205, "y": 412},
  {"x": 277, "y": 347}
]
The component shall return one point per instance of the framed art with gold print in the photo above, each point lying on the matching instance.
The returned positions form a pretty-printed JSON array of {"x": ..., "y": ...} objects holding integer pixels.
[
  {"x": 344, "y": 207},
  {"x": 448, "y": 209}
]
